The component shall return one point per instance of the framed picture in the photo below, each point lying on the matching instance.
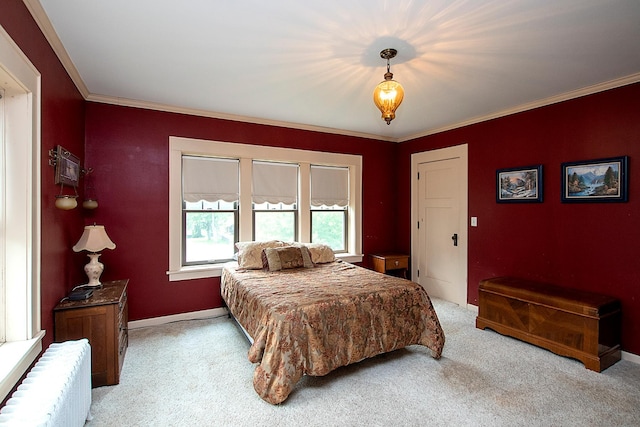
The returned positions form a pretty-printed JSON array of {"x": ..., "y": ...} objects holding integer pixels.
[
  {"x": 518, "y": 185},
  {"x": 602, "y": 180},
  {"x": 67, "y": 167}
]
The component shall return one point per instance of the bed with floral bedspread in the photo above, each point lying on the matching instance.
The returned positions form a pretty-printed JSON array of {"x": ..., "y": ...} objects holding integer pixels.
[{"x": 314, "y": 320}]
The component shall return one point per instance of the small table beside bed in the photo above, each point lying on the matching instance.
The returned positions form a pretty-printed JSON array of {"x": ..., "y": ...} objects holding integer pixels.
[{"x": 309, "y": 313}]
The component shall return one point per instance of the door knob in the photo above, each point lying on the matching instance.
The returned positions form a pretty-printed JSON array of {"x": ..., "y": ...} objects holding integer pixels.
[{"x": 455, "y": 239}]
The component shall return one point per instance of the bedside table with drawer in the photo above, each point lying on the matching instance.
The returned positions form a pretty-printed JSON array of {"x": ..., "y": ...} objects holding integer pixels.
[
  {"x": 391, "y": 262},
  {"x": 102, "y": 319}
]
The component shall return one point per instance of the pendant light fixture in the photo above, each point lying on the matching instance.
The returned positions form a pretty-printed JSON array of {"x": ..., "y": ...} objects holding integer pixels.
[{"x": 389, "y": 93}]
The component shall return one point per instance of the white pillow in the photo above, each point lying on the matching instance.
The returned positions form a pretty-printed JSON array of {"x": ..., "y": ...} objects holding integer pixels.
[
  {"x": 250, "y": 253},
  {"x": 320, "y": 253}
]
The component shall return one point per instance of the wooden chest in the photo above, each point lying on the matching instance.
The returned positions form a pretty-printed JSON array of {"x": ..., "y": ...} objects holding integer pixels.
[{"x": 569, "y": 322}]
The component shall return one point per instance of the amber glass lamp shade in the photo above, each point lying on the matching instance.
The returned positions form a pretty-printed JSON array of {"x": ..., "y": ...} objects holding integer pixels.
[{"x": 388, "y": 96}]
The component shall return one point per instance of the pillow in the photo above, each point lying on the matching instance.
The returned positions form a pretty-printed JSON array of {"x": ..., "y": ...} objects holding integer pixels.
[
  {"x": 274, "y": 259},
  {"x": 320, "y": 253},
  {"x": 250, "y": 253}
]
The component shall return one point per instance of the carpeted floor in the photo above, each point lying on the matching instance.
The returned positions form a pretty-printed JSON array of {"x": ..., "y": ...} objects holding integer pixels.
[{"x": 196, "y": 373}]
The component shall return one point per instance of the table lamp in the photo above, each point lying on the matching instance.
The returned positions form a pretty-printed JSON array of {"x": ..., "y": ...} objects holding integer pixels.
[{"x": 94, "y": 239}]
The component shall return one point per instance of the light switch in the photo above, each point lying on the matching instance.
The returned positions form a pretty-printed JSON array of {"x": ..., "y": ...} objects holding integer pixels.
[{"x": 474, "y": 221}]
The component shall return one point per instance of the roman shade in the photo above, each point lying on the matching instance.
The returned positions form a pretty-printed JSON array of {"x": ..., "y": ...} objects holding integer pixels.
[
  {"x": 210, "y": 179},
  {"x": 329, "y": 186},
  {"x": 275, "y": 182}
]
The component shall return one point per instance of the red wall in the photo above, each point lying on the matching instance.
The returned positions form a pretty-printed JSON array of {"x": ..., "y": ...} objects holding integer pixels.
[
  {"x": 590, "y": 246},
  {"x": 587, "y": 246},
  {"x": 129, "y": 151},
  {"x": 62, "y": 110}
]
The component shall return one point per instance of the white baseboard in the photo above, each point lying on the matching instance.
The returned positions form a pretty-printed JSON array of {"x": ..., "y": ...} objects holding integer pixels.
[
  {"x": 631, "y": 357},
  {"x": 194, "y": 315}
]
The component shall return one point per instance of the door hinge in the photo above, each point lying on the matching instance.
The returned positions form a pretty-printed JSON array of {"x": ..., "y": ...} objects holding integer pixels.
[
  {"x": 418, "y": 273},
  {"x": 418, "y": 224},
  {"x": 418, "y": 175}
]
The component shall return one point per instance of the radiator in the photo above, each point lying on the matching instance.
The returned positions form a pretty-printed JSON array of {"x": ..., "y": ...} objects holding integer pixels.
[{"x": 57, "y": 390}]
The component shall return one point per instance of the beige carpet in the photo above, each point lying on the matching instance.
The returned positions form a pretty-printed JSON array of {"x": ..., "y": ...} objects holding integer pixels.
[{"x": 196, "y": 373}]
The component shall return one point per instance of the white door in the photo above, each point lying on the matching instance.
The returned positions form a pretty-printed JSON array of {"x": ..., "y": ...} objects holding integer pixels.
[{"x": 441, "y": 234}]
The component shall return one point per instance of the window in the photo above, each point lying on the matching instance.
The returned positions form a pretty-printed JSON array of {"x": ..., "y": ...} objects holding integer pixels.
[
  {"x": 275, "y": 201},
  {"x": 291, "y": 212},
  {"x": 20, "y": 219},
  {"x": 210, "y": 209},
  {"x": 329, "y": 203}
]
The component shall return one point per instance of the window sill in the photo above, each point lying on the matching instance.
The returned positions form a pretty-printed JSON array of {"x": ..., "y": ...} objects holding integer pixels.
[
  {"x": 215, "y": 270},
  {"x": 17, "y": 357},
  {"x": 196, "y": 272},
  {"x": 350, "y": 257}
]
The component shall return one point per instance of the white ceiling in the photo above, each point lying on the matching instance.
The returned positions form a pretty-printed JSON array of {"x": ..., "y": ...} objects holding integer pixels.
[{"x": 314, "y": 64}]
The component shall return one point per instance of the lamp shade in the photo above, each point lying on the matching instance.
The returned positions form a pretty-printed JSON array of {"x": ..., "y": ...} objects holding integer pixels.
[
  {"x": 66, "y": 202},
  {"x": 94, "y": 239},
  {"x": 388, "y": 96}
]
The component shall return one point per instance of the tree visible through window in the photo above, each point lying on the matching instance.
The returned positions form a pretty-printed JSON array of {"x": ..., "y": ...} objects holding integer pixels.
[
  {"x": 210, "y": 209},
  {"x": 275, "y": 201},
  {"x": 329, "y": 202},
  {"x": 268, "y": 193}
]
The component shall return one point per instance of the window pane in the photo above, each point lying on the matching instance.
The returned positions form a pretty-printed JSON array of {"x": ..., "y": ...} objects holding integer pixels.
[
  {"x": 202, "y": 205},
  {"x": 210, "y": 236},
  {"x": 275, "y": 225},
  {"x": 274, "y": 206},
  {"x": 329, "y": 227}
]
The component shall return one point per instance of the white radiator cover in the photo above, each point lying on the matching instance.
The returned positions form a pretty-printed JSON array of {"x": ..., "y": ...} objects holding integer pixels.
[{"x": 57, "y": 390}]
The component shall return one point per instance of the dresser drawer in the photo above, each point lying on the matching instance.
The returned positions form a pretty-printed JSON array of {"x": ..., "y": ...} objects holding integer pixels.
[{"x": 395, "y": 263}]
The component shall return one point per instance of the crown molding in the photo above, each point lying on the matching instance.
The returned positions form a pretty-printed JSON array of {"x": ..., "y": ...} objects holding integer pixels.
[
  {"x": 49, "y": 32},
  {"x": 41, "y": 18},
  {"x": 589, "y": 90},
  {"x": 126, "y": 102}
]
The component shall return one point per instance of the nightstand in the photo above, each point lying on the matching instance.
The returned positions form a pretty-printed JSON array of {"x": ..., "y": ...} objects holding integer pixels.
[
  {"x": 391, "y": 262},
  {"x": 102, "y": 319}
]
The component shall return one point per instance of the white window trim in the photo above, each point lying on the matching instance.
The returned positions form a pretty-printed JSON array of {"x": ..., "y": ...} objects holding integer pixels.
[
  {"x": 179, "y": 146},
  {"x": 20, "y": 281}
]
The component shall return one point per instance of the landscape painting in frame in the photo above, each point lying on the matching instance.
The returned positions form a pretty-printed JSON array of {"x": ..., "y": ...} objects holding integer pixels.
[
  {"x": 603, "y": 180},
  {"x": 522, "y": 184}
]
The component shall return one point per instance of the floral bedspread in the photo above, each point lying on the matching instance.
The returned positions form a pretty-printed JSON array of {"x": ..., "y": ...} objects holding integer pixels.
[{"x": 314, "y": 320}]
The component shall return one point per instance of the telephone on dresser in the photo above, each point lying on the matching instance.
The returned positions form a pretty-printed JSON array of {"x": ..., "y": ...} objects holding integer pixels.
[{"x": 80, "y": 294}]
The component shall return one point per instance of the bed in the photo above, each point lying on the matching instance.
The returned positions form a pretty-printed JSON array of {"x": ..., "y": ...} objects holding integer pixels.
[{"x": 309, "y": 318}]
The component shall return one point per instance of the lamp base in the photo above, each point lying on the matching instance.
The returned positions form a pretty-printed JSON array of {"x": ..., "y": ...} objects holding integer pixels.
[{"x": 94, "y": 269}]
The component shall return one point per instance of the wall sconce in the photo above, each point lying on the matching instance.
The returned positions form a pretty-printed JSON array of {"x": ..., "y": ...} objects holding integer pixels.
[
  {"x": 67, "y": 171},
  {"x": 90, "y": 201},
  {"x": 90, "y": 204},
  {"x": 389, "y": 93},
  {"x": 66, "y": 201}
]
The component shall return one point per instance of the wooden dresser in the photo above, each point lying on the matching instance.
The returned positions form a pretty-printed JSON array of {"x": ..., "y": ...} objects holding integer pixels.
[
  {"x": 102, "y": 319},
  {"x": 569, "y": 322}
]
